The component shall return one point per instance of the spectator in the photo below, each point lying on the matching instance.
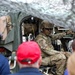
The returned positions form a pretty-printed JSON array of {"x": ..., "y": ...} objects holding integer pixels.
[
  {"x": 29, "y": 58},
  {"x": 73, "y": 50},
  {"x": 71, "y": 64},
  {"x": 4, "y": 65}
]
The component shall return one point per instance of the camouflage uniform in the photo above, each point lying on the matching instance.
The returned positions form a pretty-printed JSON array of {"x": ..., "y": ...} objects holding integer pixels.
[{"x": 51, "y": 56}]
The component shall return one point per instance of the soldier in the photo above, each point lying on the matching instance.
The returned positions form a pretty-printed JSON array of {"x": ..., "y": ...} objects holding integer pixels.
[
  {"x": 28, "y": 31},
  {"x": 51, "y": 56}
]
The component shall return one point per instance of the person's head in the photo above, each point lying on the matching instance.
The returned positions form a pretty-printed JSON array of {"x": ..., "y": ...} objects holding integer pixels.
[
  {"x": 73, "y": 45},
  {"x": 71, "y": 64},
  {"x": 46, "y": 27},
  {"x": 29, "y": 54}
]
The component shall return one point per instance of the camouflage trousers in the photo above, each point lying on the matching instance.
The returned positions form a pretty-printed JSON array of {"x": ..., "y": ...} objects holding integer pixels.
[{"x": 59, "y": 60}]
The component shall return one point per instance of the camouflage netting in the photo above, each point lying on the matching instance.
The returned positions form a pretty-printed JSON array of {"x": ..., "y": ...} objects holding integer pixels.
[{"x": 59, "y": 12}]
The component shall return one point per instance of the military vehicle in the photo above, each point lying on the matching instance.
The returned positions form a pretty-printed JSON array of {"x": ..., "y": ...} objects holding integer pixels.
[{"x": 16, "y": 28}]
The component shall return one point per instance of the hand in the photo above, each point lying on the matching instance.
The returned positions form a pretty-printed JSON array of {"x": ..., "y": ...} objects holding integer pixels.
[
  {"x": 63, "y": 53},
  {"x": 69, "y": 32},
  {"x": 67, "y": 54}
]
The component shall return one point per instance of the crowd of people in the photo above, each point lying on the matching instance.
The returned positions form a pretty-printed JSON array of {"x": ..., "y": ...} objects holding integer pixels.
[{"x": 32, "y": 54}]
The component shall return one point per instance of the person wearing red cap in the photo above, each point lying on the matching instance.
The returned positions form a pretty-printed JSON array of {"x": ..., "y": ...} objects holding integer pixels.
[{"x": 29, "y": 58}]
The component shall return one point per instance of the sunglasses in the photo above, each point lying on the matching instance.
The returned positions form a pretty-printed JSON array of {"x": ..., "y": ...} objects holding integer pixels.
[{"x": 48, "y": 29}]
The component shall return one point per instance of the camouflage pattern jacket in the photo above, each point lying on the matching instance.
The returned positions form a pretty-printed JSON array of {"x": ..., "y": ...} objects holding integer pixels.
[{"x": 46, "y": 45}]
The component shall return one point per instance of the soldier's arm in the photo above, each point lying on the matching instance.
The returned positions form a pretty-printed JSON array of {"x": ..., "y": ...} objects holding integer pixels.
[
  {"x": 45, "y": 47},
  {"x": 58, "y": 35}
]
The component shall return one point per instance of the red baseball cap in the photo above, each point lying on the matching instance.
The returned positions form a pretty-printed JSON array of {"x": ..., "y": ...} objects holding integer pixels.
[{"x": 28, "y": 52}]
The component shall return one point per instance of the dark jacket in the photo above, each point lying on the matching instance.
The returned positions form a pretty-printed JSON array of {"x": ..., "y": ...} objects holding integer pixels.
[
  {"x": 4, "y": 65},
  {"x": 28, "y": 71}
]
